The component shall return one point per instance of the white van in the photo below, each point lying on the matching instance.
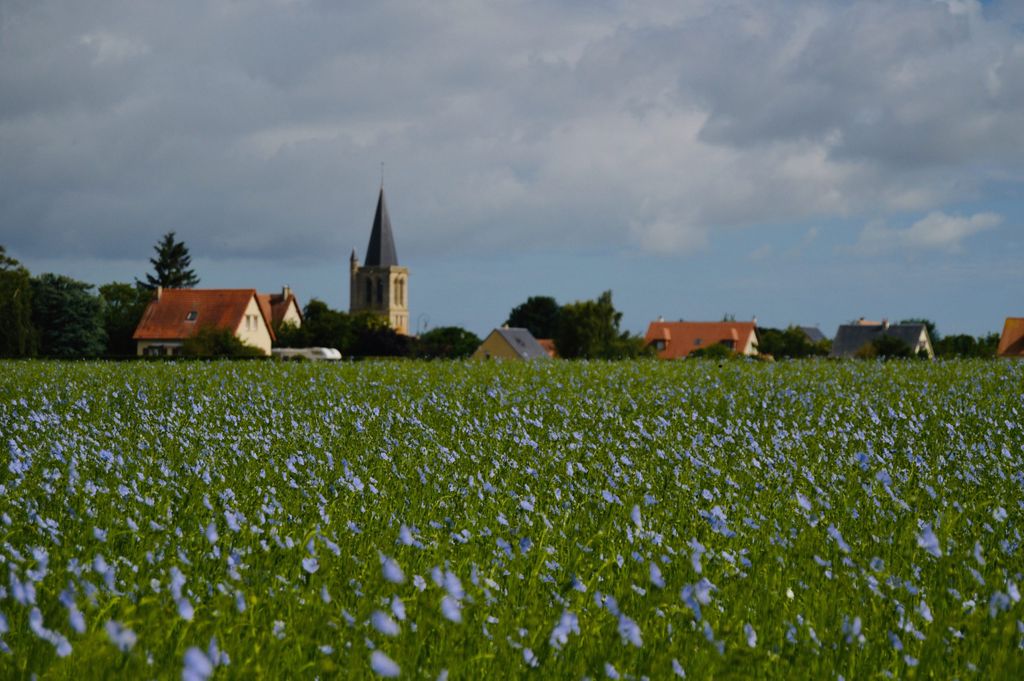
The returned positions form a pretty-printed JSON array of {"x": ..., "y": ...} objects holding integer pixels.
[{"x": 312, "y": 354}]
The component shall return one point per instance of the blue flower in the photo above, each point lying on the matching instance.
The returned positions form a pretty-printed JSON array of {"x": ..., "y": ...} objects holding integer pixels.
[
  {"x": 120, "y": 636},
  {"x": 928, "y": 541},
  {"x": 382, "y": 665},
  {"x": 391, "y": 570},
  {"x": 451, "y": 609},
  {"x": 384, "y": 624}
]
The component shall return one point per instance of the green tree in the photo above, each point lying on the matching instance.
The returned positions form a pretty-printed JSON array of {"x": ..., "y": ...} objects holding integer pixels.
[
  {"x": 360, "y": 334},
  {"x": 988, "y": 345},
  {"x": 933, "y": 331},
  {"x": 885, "y": 347},
  {"x": 211, "y": 341},
  {"x": 791, "y": 342},
  {"x": 380, "y": 340},
  {"x": 170, "y": 266},
  {"x": 123, "y": 308},
  {"x": 68, "y": 317},
  {"x": 957, "y": 345},
  {"x": 589, "y": 329},
  {"x": 539, "y": 315},
  {"x": 291, "y": 335},
  {"x": 327, "y": 328},
  {"x": 450, "y": 342},
  {"x": 963, "y": 345},
  {"x": 17, "y": 334}
]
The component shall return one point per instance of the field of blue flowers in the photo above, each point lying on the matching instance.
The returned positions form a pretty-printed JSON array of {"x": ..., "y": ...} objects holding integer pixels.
[{"x": 812, "y": 520}]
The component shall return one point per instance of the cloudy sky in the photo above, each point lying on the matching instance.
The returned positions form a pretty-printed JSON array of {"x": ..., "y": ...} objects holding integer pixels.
[{"x": 804, "y": 162}]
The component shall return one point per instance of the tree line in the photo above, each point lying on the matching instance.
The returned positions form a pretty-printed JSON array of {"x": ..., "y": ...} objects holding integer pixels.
[
  {"x": 586, "y": 329},
  {"x": 53, "y": 315}
]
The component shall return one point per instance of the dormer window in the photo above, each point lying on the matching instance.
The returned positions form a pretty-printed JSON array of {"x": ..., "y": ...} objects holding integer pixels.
[{"x": 191, "y": 316}]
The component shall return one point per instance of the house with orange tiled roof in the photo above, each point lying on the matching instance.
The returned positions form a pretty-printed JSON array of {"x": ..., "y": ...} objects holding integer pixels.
[
  {"x": 1011, "y": 343},
  {"x": 176, "y": 314},
  {"x": 549, "y": 347},
  {"x": 280, "y": 308},
  {"x": 676, "y": 340}
]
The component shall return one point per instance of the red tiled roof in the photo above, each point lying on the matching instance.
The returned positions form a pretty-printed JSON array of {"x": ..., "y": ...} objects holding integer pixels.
[
  {"x": 1011, "y": 343},
  {"x": 263, "y": 300},
  {"x": 549, "y": 346},
  {"x": 275, "y": 305},
  {"x": 682, "y": 338},
  {"x": 167, "y": 316}
]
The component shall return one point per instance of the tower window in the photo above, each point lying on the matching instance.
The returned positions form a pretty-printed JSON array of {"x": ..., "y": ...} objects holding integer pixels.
[
  {"x": 380, "y": 291},
  {"x": 369, "y": 291}
]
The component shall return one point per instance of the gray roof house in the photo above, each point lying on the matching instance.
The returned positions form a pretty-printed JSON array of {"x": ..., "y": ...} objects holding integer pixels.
[
  {"x": 813, "y": 333},
  {"x": 510, "y": 343},
  {"x": 852, "y": 337}
]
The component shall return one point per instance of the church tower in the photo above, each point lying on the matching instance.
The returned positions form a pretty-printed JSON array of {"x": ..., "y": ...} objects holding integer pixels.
[{"x": 379, "y": 285}]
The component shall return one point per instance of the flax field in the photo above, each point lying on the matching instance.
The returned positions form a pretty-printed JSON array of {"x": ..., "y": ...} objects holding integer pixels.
[{"x": 432, "y": 520}]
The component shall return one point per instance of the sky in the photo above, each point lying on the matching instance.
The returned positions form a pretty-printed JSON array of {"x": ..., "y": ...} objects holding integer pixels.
[{"x": 801, "y": 162}]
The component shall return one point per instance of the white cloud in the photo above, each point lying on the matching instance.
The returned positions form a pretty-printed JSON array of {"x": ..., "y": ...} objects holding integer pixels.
[
  {"x": 111, "y": 49},
  {"x": 665, "y": 235},
  {"x": 651, "y": 125},
  {"x": 937, "y": 231}
]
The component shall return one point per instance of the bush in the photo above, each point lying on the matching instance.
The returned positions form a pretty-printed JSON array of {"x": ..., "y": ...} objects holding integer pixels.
[
  {"x": 210, "y": 341},
  {"x": 450, "y": 342},
  {"x": 791, "y": 342},
  {"x": 716, "y": 351},
  {"x": 885, "y": 347}
]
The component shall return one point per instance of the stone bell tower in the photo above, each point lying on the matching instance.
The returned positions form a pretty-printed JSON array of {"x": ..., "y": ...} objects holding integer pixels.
[{"x": 379, "y": 284}]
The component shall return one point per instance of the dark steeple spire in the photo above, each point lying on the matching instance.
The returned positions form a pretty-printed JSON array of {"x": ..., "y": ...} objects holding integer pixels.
[{"x": 381, "y": 251}]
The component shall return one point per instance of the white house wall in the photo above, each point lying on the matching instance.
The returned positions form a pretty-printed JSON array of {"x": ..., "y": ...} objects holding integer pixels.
[{"x": 255, "y": 333}]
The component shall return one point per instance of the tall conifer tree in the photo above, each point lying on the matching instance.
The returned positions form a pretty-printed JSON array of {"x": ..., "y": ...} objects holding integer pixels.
[{"x": 170, "y": 266}]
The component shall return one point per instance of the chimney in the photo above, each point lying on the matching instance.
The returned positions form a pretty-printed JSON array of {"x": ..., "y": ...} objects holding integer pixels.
[
  {"x": 660, "y": 318},
  {"x": 885, "y": 323},
  {"x": 159, "y": 292},
  {"x": 286, "y": 292}
]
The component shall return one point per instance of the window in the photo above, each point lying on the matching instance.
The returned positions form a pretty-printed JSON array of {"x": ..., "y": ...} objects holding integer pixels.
[
  {"x": 380, "y": 291},
  {"x": 659, "y": 345},
  {"x": 191, "y": 316},
  {"x": 369, "y": 291},
  {"x": 697, "y": 342},
  {"x": 731, "y": 344}
]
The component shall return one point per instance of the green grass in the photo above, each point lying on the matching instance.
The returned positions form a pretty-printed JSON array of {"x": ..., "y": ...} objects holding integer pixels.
[{"x": 332, "y": 460}]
